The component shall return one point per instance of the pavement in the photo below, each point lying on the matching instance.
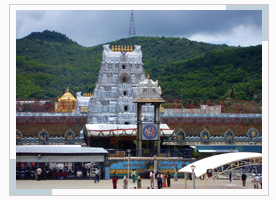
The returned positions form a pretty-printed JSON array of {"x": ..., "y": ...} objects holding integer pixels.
[{"x": 107, "y": 184}]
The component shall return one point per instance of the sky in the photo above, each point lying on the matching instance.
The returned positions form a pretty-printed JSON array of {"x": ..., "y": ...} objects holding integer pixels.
[{"x": 93, "y": 27}]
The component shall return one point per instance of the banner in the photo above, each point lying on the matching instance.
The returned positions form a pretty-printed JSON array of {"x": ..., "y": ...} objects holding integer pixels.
[{"x": 149, "y": 132}]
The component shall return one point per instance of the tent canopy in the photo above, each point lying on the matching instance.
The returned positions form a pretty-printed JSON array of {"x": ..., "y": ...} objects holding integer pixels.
[{"x": 213, "y": 162}]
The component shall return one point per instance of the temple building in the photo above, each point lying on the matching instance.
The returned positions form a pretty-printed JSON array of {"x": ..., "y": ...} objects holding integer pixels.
[
  {"x": 66, "y": 103},
  {"x": 111, "y": 114},
  {"x": 117, "y": 87}
]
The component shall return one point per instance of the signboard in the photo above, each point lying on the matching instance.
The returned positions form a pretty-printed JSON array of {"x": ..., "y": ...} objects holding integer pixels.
[{"x": 149, "y": 132}]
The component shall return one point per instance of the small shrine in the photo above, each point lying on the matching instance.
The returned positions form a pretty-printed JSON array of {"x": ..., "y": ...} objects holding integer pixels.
[
  {"x": 148, "y": 93},
  {"x": 66, "y": 103}
]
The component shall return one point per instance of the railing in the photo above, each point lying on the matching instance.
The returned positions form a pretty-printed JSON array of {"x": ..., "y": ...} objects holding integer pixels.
[{"x": 122, "y": 153}]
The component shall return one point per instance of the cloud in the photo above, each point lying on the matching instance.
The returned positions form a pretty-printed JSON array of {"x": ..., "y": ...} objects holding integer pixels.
[
  {"x": 241, "y": 35},
  {"x": 93, "y": 27}
]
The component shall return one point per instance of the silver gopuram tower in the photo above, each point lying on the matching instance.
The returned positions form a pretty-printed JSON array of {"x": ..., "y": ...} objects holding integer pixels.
[{"x": 117, "y": 87}]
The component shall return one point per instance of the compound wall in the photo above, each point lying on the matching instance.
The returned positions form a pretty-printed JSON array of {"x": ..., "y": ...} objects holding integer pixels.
[
  {"x": 30, "y": 126},
  {"x": 216, "y": 124}
]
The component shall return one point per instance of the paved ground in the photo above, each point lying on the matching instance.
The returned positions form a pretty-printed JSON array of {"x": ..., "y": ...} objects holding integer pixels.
[{"x": 107, "y": 184}]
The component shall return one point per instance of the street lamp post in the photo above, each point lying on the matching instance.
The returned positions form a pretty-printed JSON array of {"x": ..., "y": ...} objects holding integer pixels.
[
  {"x": 128, "y": 152},
  {"x": 193, "y": 175}
]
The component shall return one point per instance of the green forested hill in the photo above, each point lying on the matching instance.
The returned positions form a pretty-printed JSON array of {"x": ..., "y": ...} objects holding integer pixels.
[{"x": 48, "y": 62}]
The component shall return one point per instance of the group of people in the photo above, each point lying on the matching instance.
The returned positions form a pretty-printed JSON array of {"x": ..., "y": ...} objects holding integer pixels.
[
  {"x": 259, "y": 179},
  {"x": 256, "y": 178},
  {"x": 40, "y": 173},
  {"x": 125, "y": 182},
  {"x": 37, "y": 174},
  {"x": 161, "y": 180}
]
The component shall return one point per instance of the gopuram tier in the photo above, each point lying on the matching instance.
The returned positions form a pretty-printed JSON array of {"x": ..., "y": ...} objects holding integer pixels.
[{"x": 117, "y": 86}]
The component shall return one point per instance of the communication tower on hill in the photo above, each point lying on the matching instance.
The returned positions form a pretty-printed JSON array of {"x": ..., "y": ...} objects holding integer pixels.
[{"x": 132, "y": 27}]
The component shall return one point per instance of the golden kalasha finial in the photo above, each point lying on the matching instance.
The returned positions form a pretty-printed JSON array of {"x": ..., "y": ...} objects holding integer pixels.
[
  {"x": 131, "y": 48},
  {"x": 112, "y": 48},
  {"x": 148, "y": 76},
  {"x": 67, "y": 90},
  {"x": 116, "y": 49},
  {"x": 127, "y": 48},
  {"x": 119, "y": 48}
]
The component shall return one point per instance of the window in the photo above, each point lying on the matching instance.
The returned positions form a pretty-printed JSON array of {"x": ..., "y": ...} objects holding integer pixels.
[
  {"x": 126, "y": 108},
  {"x": 126, "y": 122},
  {"x": 124, "y": 79},
  {"x": 125, "y": 93},
  {"x": 123, "y": 66}
]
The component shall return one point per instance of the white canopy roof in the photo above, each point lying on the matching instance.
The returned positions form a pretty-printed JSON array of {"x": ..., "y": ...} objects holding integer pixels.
[
  {"x": 213, "y": 162},
  {"x": 59, "y": 149}
]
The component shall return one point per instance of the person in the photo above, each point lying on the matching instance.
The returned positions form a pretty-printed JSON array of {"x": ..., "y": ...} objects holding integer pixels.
[
  {"x": 163, "y": 180},
  {"x": 257, "y": 178},
  {"x": 114, "y": 181},
  {"x": 36, "y": 177},
  {"x": 44, "y": 174},
  {"x": 54, "y": 173},
  {"x": 99, "y": 174},
  {"x": 260, "y": 181},
  {"x": 136, "y": 175},
  {"x": 159, "y": 182},
  {"x": 151, "y": 179},
  {"x": 243, "y": 177},
  {"x": 253, "y": 176},
  {"x": 139, "y": 182},
  {"x": 32, "y": 174},
  {"x": 133, "y": 175},
  {"x": 125, "y": 182},
  {"x": 168, "y": 179},
  {"x": 230, "y": 177},
  {"x": 96, "y": 176},
  {"x": 39, "y": 173},
  {"x": 190, "y": 176},
  {"x": 175, "y": 173}
]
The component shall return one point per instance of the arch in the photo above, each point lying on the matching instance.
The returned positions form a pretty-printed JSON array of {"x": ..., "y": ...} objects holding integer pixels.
[
  {"x": 205, "y": 136},
  {"x": 124, "y": 78},
  {"x": 252, "y": 133},
  {"x": 229, "y": 136},
  {"x": 70, "y": 136},
  {"x": 43, "y": 137},
  {"x": 181, "y": 135},
  {"x": 19, "y": 137}
]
